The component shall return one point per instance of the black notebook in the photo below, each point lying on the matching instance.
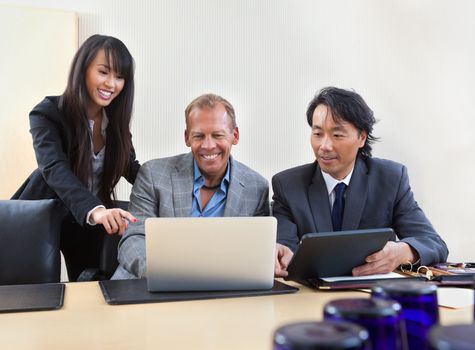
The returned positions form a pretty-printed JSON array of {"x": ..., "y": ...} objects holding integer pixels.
[
  {"x": 31, "y": 297},
  {"x": 135, "y": 291}
]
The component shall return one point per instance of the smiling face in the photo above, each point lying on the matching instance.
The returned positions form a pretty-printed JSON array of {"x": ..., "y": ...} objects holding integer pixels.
[
  {"x": 335, "y": 142},
  {"x": 103, "y": 83},
  {"x": 211, "y": 136}
]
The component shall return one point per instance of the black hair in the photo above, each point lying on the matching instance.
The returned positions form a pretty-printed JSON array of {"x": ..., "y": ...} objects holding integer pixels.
[
  {"x": 348, "y": 106},
  {"x": 73, "y": 104}
]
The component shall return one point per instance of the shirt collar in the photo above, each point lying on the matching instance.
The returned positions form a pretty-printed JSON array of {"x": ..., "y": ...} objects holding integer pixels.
[
  {"x": 105, "y": 123},
  {"x": 331, "y": 182},
  {"x": 199, "y": 180}
]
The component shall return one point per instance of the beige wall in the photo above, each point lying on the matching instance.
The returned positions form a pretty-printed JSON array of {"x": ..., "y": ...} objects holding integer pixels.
[
  {"x": 412, "y": 60},
  {"x": 36, "y": 47}
]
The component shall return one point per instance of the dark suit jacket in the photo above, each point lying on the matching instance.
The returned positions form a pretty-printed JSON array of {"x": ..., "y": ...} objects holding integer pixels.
[
  {"x": 378, "y": 196},
  {"x": 54, "y": 177}
]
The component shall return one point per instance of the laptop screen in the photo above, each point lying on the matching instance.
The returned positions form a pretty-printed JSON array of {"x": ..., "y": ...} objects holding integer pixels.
[{"x": 226, "y": 253}]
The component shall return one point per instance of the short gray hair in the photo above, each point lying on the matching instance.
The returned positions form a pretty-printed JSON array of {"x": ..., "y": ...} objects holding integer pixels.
[{"x": 209, "y": 101}]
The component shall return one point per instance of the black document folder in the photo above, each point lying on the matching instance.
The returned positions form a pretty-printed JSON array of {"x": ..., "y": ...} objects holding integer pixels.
[
  {"x": 135, "y": 291},
  {"x": 438, "y": 275},
  {"x": 31, "y": 297}
]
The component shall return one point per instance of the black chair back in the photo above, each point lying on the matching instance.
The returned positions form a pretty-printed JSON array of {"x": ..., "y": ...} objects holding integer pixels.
[{"x": 29, "y": 241}]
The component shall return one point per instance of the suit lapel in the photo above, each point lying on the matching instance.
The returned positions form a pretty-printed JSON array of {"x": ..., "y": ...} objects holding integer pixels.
[
  {"x": 356, "y": 195},
  {"x": 319, "y": 203},
  {"x": 182, "y": 186},
  {"x": 236, "y": 189}
]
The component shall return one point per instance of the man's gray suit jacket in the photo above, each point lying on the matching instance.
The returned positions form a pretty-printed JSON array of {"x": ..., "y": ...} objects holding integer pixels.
[
  {"x": 164, "y": 188},
  {"x": 379, "y": 195}
]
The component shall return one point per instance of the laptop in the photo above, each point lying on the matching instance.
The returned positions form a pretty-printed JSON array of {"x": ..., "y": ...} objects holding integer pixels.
[{"x": 210, "y": 254}]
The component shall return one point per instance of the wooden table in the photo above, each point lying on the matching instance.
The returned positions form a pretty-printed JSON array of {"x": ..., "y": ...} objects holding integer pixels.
[{"x": 87, "y": 322}]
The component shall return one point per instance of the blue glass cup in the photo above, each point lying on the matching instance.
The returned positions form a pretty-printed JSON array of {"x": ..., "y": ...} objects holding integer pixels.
[
  {"x": 321, "y": 335},
  {"x": 382, "y": 318},
  {"x": 420, "y": 307},
  {"x": 455, "y": 337}
]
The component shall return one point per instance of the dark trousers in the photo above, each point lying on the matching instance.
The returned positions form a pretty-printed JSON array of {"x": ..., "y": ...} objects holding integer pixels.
[{"x": 81, "y": 246}]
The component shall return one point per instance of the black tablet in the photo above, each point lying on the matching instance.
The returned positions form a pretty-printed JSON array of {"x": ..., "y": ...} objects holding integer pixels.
[
  {"x": 335, "y": 253},
  {"x": 31, "y": 297}
]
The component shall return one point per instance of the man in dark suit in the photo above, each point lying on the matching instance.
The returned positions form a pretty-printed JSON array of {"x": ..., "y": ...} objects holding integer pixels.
[{"x": 347, "y": 189}]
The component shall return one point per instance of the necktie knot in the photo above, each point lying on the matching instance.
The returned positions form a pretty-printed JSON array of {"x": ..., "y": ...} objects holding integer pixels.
[
  {"x": 340, "y": 189},
  {"x": 338, "y": 206}
]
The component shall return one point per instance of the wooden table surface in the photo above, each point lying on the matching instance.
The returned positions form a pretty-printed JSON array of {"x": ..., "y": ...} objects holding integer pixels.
[{"x": 87, "y": 322}]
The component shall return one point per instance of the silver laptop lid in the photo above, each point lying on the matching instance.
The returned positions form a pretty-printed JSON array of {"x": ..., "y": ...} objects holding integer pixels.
[{"x": 226, "y": 253}]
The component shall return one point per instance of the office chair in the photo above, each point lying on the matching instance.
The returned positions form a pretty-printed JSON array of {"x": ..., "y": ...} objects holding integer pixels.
[
  {"x": 29, "y": 241},
  {"x": 108, "y": 259}
]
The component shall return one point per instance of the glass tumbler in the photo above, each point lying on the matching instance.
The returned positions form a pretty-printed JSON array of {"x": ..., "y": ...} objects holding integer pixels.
[
  {"x": 420, "y": 307},
  {"x": 382, "y": 318},
  {"x": 335, "y": 335}
]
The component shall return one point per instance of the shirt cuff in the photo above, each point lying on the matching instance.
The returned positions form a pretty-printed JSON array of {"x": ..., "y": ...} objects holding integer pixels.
[{"x": 89, "y": 220}]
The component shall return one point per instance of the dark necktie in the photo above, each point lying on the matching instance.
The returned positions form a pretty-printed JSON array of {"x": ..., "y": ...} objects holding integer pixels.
[{"x": 338, "y": 206}]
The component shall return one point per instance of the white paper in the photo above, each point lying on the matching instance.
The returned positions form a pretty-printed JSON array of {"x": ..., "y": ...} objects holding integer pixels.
[{"x": 369, "y": 277}]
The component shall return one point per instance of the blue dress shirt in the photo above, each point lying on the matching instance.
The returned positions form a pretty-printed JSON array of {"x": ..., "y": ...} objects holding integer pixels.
[{"x": 216, "y": 204}]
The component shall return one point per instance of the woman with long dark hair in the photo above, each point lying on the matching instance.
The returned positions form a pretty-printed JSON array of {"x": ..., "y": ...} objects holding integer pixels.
[{"x": 83, "y": 146}]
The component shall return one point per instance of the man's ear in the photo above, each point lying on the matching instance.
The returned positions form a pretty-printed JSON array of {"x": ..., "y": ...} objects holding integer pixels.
[
  {"x": 186, "y": 138},
  {"x": 236, "y": 135},
  {"x": 363, "y": 136}
]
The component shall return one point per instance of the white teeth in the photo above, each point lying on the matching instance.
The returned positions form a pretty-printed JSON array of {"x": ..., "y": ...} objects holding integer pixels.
[
  {"x": 209, "y": 156},
  {"x": 105, "y": 93}
]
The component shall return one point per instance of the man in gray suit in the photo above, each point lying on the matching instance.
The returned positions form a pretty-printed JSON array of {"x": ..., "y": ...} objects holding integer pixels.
[
  {"x": 347, "y": 189},
  {"x": 206, "y": 182}
]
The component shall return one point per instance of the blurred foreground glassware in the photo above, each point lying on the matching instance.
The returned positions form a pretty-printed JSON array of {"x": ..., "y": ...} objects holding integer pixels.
[
  {"x": 382, "y": 318},
  {"x": 335, "y": 335},
  {"x": 420, "y": 307}
]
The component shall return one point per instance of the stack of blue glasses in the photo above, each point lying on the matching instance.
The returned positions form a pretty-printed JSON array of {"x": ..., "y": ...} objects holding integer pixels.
[
  {"x": 401, "y": 315},
  {"x": 420, "y": 308},
  {"x": 382, "y": 318}
]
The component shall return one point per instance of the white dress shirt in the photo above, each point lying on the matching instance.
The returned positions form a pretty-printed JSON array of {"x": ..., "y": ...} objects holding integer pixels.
[{"x": 331, "y": 182}]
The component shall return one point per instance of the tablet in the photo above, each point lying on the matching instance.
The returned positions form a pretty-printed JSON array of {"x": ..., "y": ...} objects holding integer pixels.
[{"x": 330, "y": 254}]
